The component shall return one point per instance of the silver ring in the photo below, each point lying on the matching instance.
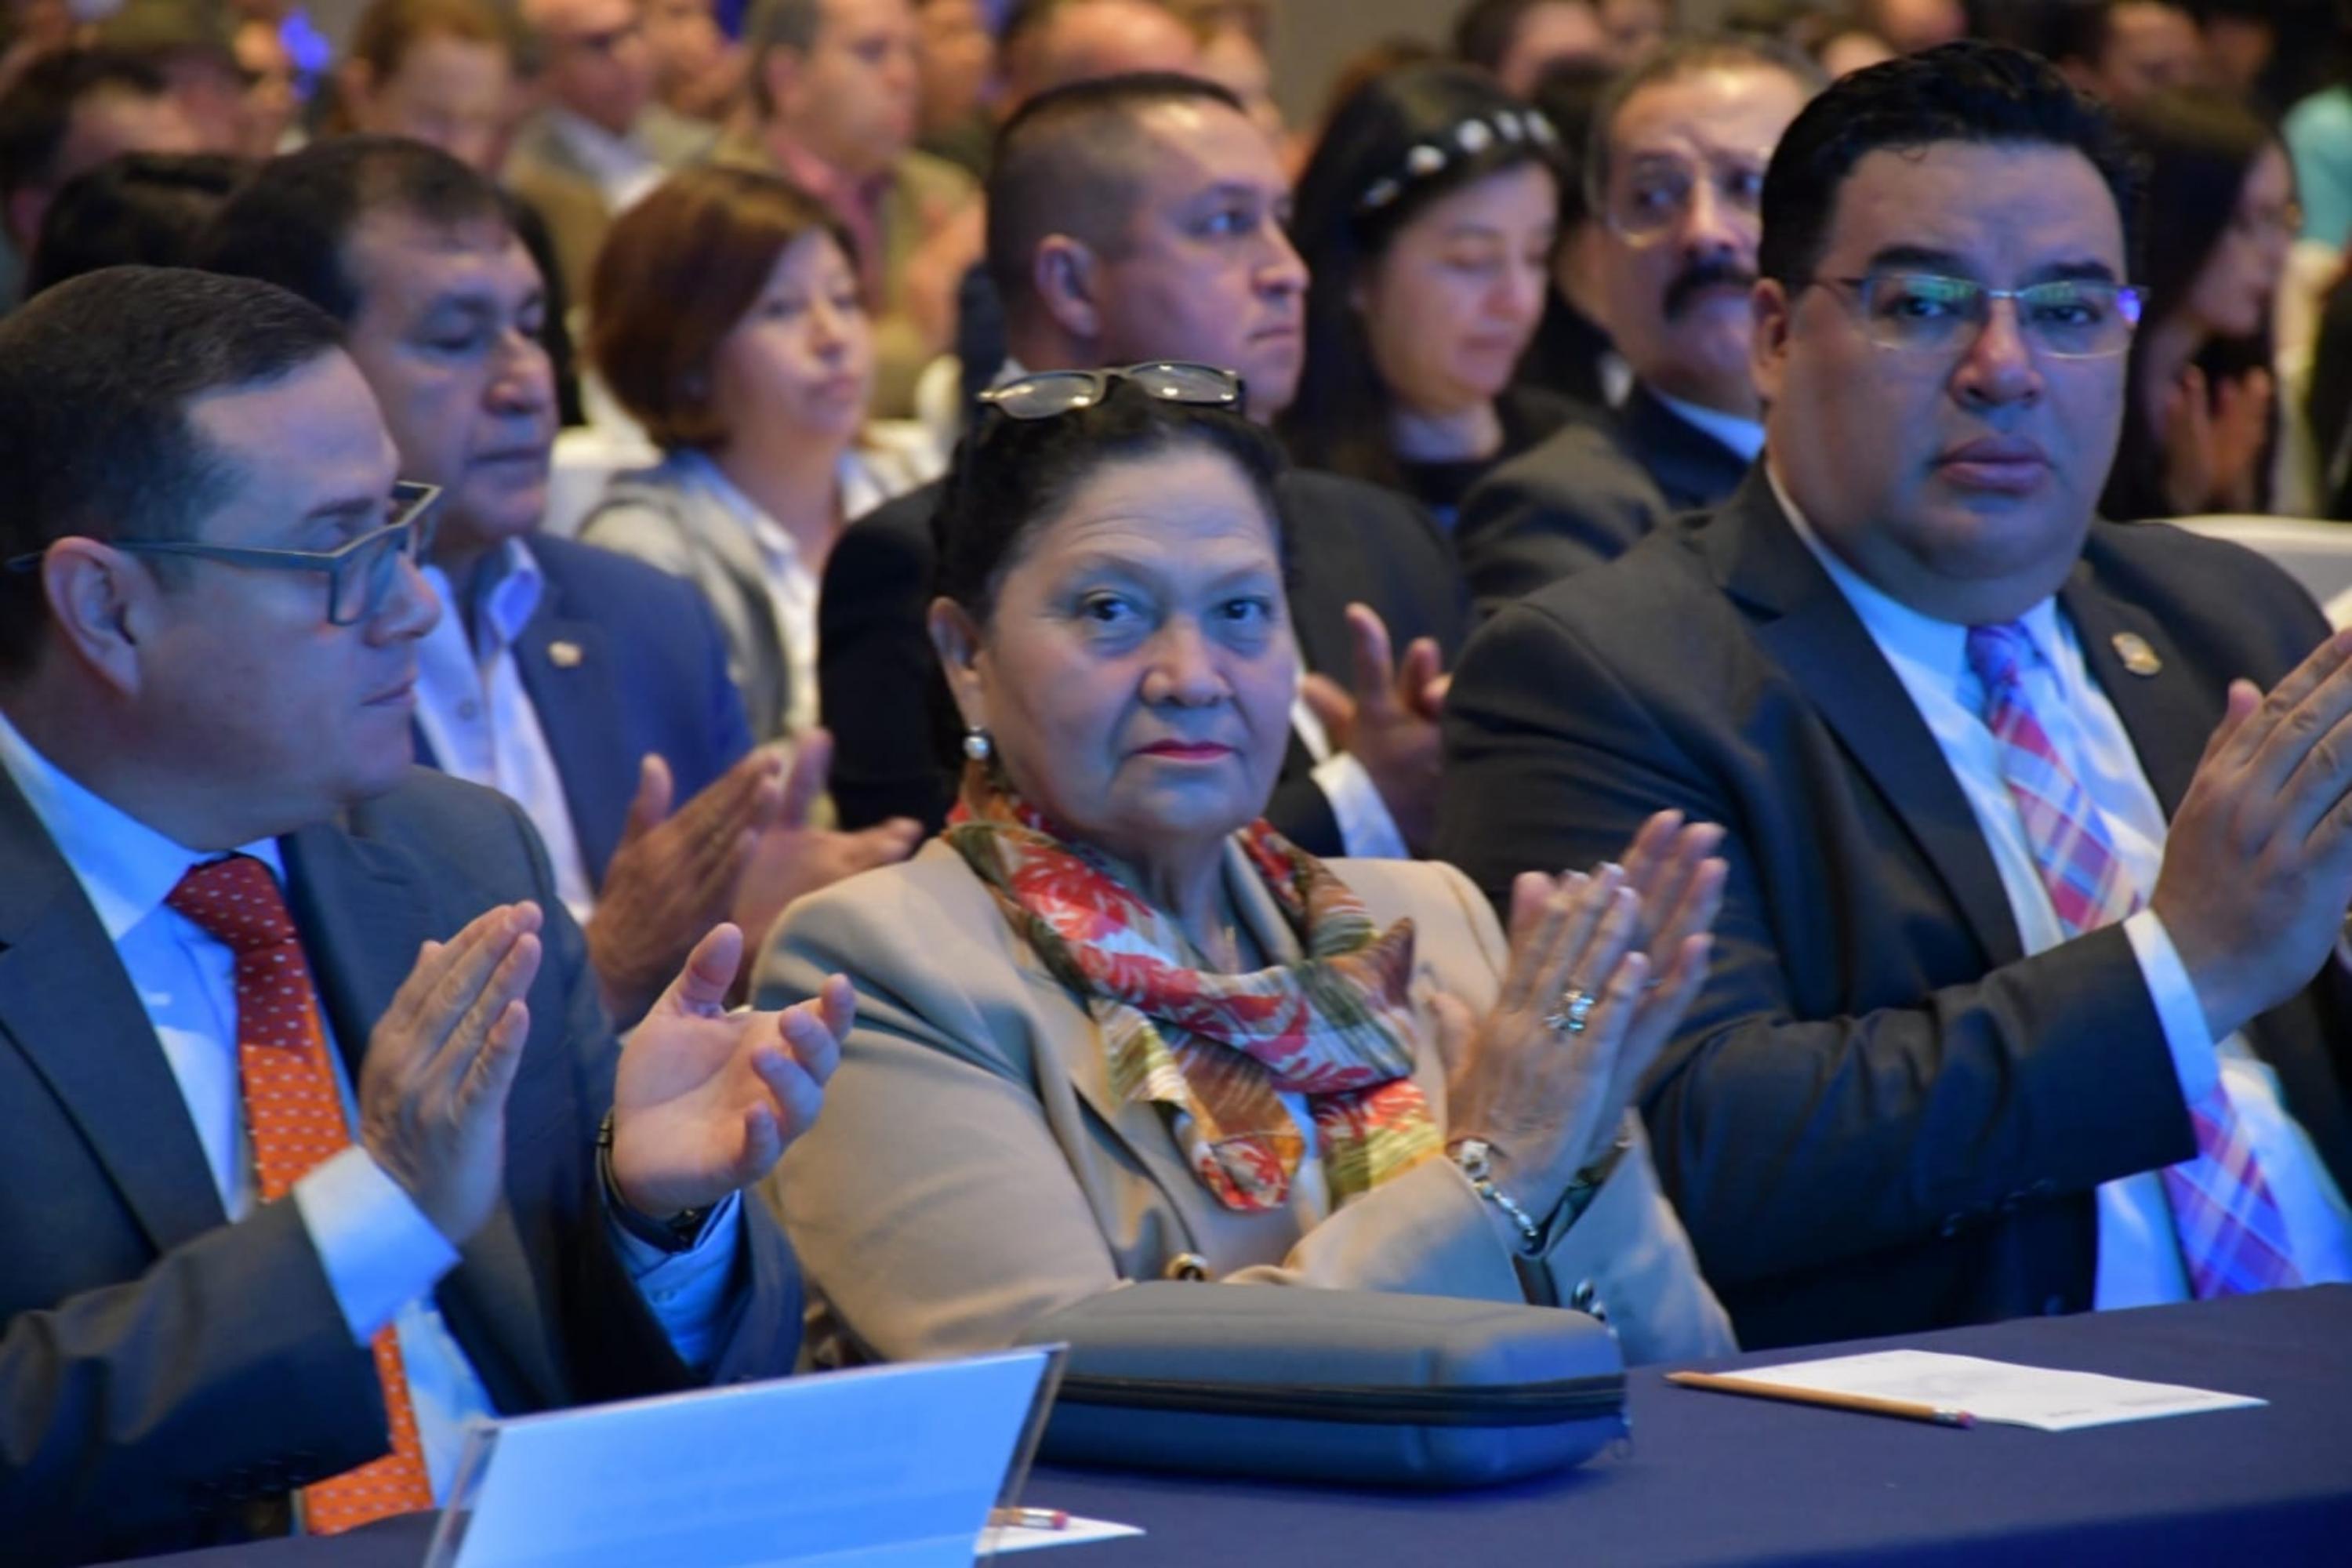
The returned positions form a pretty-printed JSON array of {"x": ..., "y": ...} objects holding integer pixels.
[{"x": 1576, "y": 1005}]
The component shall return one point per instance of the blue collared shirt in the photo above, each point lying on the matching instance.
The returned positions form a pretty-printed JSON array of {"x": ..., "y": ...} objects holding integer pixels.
[
  {"x": 2139, "y": 1259},
  {"x": 382, "y": 1257}
]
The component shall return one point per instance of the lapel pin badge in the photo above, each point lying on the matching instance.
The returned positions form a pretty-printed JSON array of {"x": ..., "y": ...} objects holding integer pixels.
[
  {"x": 567, "y": 655},
  {"x": 2137, "y": 656}
]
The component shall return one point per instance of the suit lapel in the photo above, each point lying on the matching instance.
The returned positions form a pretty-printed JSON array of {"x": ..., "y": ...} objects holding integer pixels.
[
  {"x": 69, "y": 1006},
  {"x": 567, "y": 667},
  {"x": 2166, "y": 711},
  {"x": 1807, "y": 624},
  {"x": 1691, "y": 468},
  {"x": 363, "y": 907}
]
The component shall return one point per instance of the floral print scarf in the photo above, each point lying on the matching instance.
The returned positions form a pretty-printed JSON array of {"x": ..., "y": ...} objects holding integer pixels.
[{"x": 1219, "y": 1049}]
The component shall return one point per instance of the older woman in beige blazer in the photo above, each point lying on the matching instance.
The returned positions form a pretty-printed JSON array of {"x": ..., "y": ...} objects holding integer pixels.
[{"x": 1109, "y": 1028}]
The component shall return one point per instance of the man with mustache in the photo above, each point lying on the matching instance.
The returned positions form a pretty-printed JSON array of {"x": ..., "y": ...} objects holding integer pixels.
[
  {"x": 2023, "y": 997},
  {"x": 1673, "y": 169}
]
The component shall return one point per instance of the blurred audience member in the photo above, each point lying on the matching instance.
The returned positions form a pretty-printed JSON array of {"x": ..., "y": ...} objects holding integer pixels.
[
  {"x": 1374, "y": 60},
  {"x": 2329, "y": 404},
  {"x": 1572, "y": 353},
  {"x": 2319, "y": 136},
  {"x": 1426, "y": 219},
  {"x": 231, "y": 77},
  {"x": 1234, "y": 37},
  {"x": 601, "y": 141},
  {"x": 442, "y": 73},
  {"x": 1519, "y": 40},
  {"x": 1048, "y": 44},
  {"x": 1118, "y": 1028},
  {"x": 834, "y": 83},
  {"x": 2197, "y": 424},
  {"x": 70, "y": 112},
  {"x": 1848, "y": 49},
  {"x": 2122, "y": 51},
  {"x": 1911, "y": 26},
  {"x": 590, "y": 688},
  {"x": 1637, "y": 29},
  {"x": 2017, "y": 1020},
  {"x": 439, "y": 71},
  {"x": 1676, "y": 168},
  {"x": 145, "y": 209},
  {"x": 699, "y": 70},
  {"x": 1135, "y": 218},
  {"x": 955, "y": 60},
  {"x": 730, "y": 323},
  {"x": 2241, "y": 41}
]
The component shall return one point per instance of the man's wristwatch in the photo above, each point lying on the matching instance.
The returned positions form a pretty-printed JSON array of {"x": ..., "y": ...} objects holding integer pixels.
[
  {"x": 677, "y": 1234},
  {"x": 1476, "y": 1157}
]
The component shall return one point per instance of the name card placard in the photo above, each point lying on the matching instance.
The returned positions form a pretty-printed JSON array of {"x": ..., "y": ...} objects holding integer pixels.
[{"x": 891, "y": 1467}]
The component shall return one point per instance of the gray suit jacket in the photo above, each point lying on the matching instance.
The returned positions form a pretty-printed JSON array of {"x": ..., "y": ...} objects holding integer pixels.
[
  {"x": 166, "y": 1378},
  {"x": 974, "y": 1172},
  {"x": 542, "y": 169}
]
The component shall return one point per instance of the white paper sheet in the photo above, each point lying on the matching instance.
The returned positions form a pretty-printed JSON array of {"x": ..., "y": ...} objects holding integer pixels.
[
  {"x": 1013, "y": 1538},
  {"x": 1997, "y": 1390}
]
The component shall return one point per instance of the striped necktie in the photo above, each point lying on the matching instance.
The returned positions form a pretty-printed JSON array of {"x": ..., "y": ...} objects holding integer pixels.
[{"x": 2232, "y": 1237}]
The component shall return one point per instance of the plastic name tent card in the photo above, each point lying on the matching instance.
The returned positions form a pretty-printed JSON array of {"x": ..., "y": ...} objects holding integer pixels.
[{"x": 892, "y": 1466}]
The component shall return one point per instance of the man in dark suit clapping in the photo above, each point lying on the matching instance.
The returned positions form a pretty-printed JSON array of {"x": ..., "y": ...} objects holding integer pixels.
[
  {"x": 315, "y": 1142},
  {"x": 2022, "y": 997}
]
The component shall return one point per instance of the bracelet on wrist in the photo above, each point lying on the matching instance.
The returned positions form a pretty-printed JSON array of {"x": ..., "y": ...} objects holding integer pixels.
[{"x": 1474, "y": 1157}]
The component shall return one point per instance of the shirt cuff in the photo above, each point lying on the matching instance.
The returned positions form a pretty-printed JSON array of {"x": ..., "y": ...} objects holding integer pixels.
[
  {"x": 2195, "y": 1062},
  {"x": 379, "y": 1250},
  {"x": 688, "y": 1292},
  {"x": 1366, "y": 831}
]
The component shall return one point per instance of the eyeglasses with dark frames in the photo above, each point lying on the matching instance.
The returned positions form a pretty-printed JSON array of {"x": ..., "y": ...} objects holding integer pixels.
[
  {"x": 358, "y": 574},
  {"x": 1050, "y": 394}
]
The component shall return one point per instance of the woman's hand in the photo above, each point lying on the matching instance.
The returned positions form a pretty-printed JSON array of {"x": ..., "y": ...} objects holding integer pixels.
[{"x": 1546, "y": 1098}]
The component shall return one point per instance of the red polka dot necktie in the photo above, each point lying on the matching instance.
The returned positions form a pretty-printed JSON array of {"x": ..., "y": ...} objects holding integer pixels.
[{"x": 295, "y": 1115}]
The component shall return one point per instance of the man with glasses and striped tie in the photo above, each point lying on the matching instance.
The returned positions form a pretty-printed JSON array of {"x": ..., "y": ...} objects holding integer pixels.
[
  {"x": 315, "y": 1142},
  {"x": 2023, "y": 997}
]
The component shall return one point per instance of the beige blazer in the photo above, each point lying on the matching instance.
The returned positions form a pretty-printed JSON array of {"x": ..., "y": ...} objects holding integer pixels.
[{"x": 972, "y": 1172}]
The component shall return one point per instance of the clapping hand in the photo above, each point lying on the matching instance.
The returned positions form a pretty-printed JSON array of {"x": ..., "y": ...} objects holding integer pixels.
[
  {"x": 1389, "y": 722},
  {"x": 1546, "y": 1076},
  {"x": 706, "y": 1100},
  {"x": 675, "y": 876},
  {"x": 433, "y": 1087},
  {"x": 795, "y": 857}
]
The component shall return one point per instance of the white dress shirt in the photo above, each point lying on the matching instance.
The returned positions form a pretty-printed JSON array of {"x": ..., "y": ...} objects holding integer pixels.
[
  {"x": 478, "y": 720},
  {"x": 1743, "y": 436},
  {"x": 2139, "y": 1261},
  {"x": 381, "y": 1256}
]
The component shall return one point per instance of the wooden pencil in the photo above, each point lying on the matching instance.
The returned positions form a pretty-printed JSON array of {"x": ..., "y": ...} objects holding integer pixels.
[{"x": 1868, "y": 1405}]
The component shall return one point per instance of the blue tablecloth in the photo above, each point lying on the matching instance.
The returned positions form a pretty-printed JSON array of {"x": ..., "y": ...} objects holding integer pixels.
[{"x": 1711, "y": 1478}]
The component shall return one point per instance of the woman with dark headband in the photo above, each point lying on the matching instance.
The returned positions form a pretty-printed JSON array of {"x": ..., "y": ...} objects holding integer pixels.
[
  {"x": 1112, "y": 1027},
  {"x": 1426, "y": 218}
]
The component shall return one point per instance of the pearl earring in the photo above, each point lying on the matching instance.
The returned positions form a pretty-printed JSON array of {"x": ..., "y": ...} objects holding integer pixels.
[{"x": 977, "y": 745}]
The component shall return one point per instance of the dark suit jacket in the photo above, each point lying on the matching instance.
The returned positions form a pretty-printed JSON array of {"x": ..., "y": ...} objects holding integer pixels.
[
  {"x": 644, "y": 669},
  {"x": 165, "y": 1377},
  {"x": 1588, "y": 495},
  {"x": 1879, "y": 1116},
  {"x": 886, "y": 703}
]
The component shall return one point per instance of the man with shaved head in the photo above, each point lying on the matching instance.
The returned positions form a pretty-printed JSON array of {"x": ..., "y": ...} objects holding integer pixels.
[
  {"x": 603, "y": 141},
  {"x": 1141, "y": 217}
]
